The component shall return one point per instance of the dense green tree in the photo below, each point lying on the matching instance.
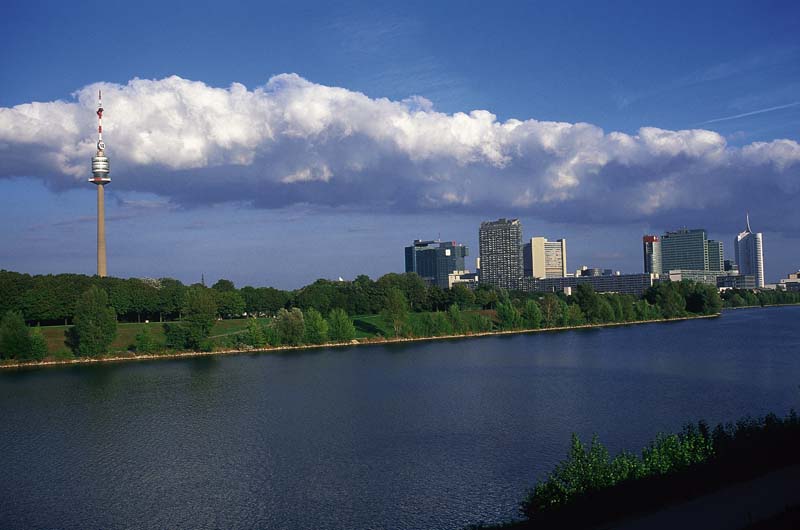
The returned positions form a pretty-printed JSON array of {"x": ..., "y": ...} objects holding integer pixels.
[
  {"x": 412, "y": 287},
  {"x": 230, "y": 304},
  {"x": 441, "y": 323},
  {"x": 457, "y": 320},
  {"x": 735, "y": 300},
  {"x": 643, "y": 310},
  {"x": 395, "y": 312},
  {"x": 290, "y": 326},
  {"x": 627, "y": 302},
  {"x": 13, "y": 289},
  {"x": 255, "y": 335},
  {"x": 605, "y": 310},
  {"x": 575, "y": 316},
  {"x": 617, "y": 311},
  {"x": 199, "y": 312},
  {"x": 15, "y": 340},
  {"x": 144, "y": 298},
  {"x": 319, "y": 295},
  {"x": 95, "y": 324},
  {"x": 668, "y": 298},
  {"x": 224, "y": 286},
  {"x": 119, "y": 294},
  {"x": 701, "y": 298},
  {"x": 144, "y": 341},
  {"x": 552, "y": 310},
  {"x": 531, "y": 314},
  {"x": 589, "y": 302},
  {"x": 316, "y": 328},
  {"x": 170, "y": 295},
  {"x": 176, "y": 335},
  {"x": 340, "y": 327},
  {"x": 422, "y": 325},
  {"x": 508, "y": 315},
  {"x": 486, "y": 296},
  {"x": 437, "y": 300},
  {"x": 263, "y": 300},
  {"x": 462, "y": 296},
  {"x": 38, "y": 349}
]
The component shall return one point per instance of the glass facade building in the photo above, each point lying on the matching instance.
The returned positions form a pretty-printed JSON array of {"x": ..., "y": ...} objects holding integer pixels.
[
  {"x": 684, "y": 249},
  {"x": 434, "y": 261},
  {"x": 691, "y": 250},
  {"x": 716, "y": 256}
]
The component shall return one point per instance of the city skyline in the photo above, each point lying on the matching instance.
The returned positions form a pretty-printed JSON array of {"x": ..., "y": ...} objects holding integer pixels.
[{"x": 363, "y": 128}]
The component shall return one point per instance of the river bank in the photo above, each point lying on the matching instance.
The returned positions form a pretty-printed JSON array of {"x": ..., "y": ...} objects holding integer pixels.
[
  {"x": 758, "y": 306},
  {"x": 131, "y": 356}
]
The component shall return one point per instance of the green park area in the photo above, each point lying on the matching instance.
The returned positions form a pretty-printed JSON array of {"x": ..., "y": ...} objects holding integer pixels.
[{"x": 67, "y": 316}]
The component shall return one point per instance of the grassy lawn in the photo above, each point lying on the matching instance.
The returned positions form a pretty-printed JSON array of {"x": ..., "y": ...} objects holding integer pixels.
[
  {"x": 368, "y": 326},
  {"x": 126, "y": 333}
]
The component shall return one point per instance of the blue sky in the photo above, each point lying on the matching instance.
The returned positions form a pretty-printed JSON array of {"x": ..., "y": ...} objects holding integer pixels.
[{"x": 316, "y": 186}]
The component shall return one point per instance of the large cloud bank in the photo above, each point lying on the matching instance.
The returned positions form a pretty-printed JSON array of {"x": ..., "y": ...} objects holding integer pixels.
[{"x": 293, "y": 141}]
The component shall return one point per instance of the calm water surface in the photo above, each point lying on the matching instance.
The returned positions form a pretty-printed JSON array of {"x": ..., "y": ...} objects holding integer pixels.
[{"x": 420, "y": 436}]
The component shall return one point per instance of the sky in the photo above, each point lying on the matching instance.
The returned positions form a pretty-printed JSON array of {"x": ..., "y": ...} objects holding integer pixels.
[{"x": 277, "y": 143}]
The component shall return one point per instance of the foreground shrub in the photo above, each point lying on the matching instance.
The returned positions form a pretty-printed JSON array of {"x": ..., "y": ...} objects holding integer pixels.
[
  {"x": 589, "y": 488},
  {"x": 590, "y": 469}
]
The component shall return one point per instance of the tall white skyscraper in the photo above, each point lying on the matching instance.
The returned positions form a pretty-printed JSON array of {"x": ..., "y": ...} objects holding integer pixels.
[{"x": 750, "y": 254}]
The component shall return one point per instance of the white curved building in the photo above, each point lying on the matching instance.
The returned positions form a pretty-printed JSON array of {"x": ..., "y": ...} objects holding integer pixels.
[{"x": 750, "y": 254}]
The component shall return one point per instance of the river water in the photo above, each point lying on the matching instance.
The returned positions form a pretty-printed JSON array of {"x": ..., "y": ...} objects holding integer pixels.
[{"x": 430, "y": 435}]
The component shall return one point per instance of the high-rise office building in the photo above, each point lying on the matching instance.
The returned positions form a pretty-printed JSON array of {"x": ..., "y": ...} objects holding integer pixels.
[
  {"x": 500, "y": 245},
  {"x": 716, "y": 255},
  {"x": 434, "y": 261},
  {"x": 544, "y": 259},
  {"x": 691, "y": 250},
  {"x": 684, "y": 249},
  {"x": 652, "y": 254},
  {"x": 748, "y": 247}
]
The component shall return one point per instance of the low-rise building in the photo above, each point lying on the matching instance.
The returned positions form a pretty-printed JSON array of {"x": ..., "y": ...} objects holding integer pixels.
[
  {"x": 466, "y": 278},
  {"x": 635, "y": 284},
  {"x": 791, "y": 282},
  {"x": 736, "y": 281}
]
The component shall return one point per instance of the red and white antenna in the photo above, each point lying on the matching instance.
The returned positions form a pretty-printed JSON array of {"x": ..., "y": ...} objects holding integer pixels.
[
  {"x": 100, "y": 166},
  {"x": 100, "y": 120}
]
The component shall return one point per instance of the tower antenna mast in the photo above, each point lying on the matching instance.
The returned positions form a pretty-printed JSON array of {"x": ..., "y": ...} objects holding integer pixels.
[{"x": 100, "y": 171}]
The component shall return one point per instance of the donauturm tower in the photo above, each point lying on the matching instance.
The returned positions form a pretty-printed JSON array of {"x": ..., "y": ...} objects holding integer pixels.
[{"x": 100, "y": 178}]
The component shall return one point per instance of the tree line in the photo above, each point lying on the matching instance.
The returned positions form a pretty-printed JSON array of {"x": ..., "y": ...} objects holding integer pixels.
[
  {"x": 51, "y": 299},
  {"x": 747, "y": 298},
  {"x": 315, "y": 314}
]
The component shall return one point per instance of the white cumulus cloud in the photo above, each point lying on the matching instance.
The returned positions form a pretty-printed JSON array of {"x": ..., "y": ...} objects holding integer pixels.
[{"x": 294, "y": 141}]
